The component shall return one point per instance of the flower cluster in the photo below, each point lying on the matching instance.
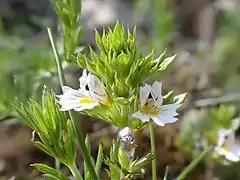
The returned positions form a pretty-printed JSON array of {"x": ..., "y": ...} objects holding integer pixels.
[{"x": 92, "y": 93}]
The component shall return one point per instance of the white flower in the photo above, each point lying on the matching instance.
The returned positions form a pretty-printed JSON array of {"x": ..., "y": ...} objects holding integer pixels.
[
  {"x": 226, "y": 145},
  {"x": 90, "y": 94},
  {"x": 151, "y": 106}
]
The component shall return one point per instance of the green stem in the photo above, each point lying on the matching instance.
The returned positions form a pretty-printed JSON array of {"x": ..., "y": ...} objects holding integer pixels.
[
  {"x": 57, "y": 59},
  {"x": 75, "y": 172},
  {"x": 153, "y": 151},
  {"x": 166, "y": 173},
  {"x": 76, "y": 124},
  {"x": 193, "y": 164}
]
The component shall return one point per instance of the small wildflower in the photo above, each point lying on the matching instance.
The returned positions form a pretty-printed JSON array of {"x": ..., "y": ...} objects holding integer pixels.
[
  {"x": 226, "y": 145},
  {"x": 127, "y": 139},
  {"x": 151, "y": 106},
  {"x": 90, "y": 94}
]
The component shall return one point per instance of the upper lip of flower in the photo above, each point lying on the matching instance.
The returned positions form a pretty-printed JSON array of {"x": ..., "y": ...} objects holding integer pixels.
[
  {"x": 92, "y": 85},
  {"x": 151, "y": 105},
  {"x": 225, "y": 139}
]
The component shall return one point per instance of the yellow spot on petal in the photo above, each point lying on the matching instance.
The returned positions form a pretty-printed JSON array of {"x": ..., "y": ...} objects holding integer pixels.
[
  {"x": 148, "y": 109},
  {"x": 107, "y": 103},
  {"x": 86, "y": 101},
  {"x": 224, "y": 147}
]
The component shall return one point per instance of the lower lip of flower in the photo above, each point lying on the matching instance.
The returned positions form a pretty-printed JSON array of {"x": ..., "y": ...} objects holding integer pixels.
[
  {"x": 225, "y": 148},
  {"x": 150, "y": 110},
  {"x": 86, "y": 101}
]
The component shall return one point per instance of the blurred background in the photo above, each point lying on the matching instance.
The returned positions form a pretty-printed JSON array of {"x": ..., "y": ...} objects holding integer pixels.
[{"x": 204, "y": 34}]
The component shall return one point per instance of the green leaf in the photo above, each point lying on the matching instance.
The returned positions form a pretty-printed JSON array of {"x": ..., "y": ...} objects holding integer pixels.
[
  {"x": 99, "y": 159},
  {"x": 180, "y": 98},
  {"x": 142, "y": 162},
  {"x": 50, "y": 177},
  {"x": 99, "y": 41},
  {"x": 165, "y": 64},
  {"x": 49, "y": 170},
  {"x": 166, "y": 173},
  {"x": 86, "y": 171},
  {"x": 70, "y": 143},
  {"x": 44, "y": 148},
  {"x": 123, "y": 159},
  {"x": 168, "y": 98},
  {"x": 123, "y": 101}
]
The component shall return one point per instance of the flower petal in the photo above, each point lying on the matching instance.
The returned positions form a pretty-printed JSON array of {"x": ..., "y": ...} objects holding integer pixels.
[
  {"x": 228, "y": 155},
  {"x": 97, "y": 88},
  {"x": 68, "y": 107},
  {"x": 161, "y": 120},
  {"x": 157, "y": 121},
  {"x": 220, "y": 151},
  {"x": 83, "y": 79},
  {"x": 157, "y": 92},
  {"x": 71, "y": 94},
  {"x": 169, "y": 109},
  {"x": 226, "y": 138},
  {"x": 87, "y": 106},
  {"x": 144, "y": 92},
  {"x": 232, "y": 157},
  {"x": 75, "y": 99},
  {"x": 236, "y": 149},
  {"x": 224, "y": 132},
  {"x": 67, "y": 89},
  {"x": 141, "y": 116}
]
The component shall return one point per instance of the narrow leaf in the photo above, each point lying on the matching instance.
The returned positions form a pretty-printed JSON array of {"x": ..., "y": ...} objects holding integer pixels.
[{"x": 49, "y": 170}]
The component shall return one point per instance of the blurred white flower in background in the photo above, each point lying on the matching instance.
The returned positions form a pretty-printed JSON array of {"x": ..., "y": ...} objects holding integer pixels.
[{"x": 226, "y": 145}]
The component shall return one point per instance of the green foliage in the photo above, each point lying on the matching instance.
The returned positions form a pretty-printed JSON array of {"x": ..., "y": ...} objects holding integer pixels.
[
  {"x": 119, "y": 65},
  {"x": 25, "y": 66},
  {"x": 121, "y": 166},
  {"x": 69, "y": 13},
  {"x": 57, "y": 137},
  {"x": 24, "y": 70},
  {"x": 99, "y": 160},
  {"x": 49, "y": 172},
  {"x": 223, "y": 116},
  {"x": 123, "y": 71}
]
